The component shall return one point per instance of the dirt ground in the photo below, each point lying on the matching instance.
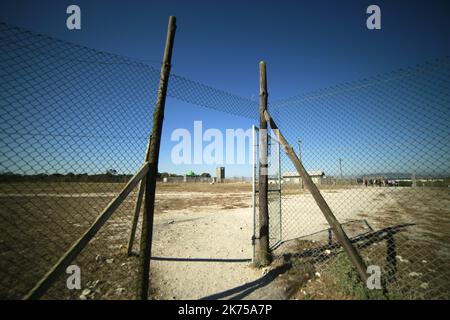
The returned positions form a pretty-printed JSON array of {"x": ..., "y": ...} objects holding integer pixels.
[
  {"x": 202, "y": 235},
  {"x": 414, "y": 225},
  {"x": 200, "y": 230},
  {"x": 202, "y": 240},
  {"x": 425, "y": 211}
]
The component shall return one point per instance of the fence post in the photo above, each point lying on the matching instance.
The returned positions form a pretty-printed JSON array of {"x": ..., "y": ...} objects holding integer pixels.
[
  {"x": 340, "y": 234},
  {"x": 262, "y": 248},
  {"x": 150, "y": 186},
  {"x": 254, "y": 190},
  {"x": 52, "y": 275},
  {"x": 137, "y": 206}
]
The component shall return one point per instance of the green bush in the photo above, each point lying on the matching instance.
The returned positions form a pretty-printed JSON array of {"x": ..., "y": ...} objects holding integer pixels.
[{"x": 348, "y": 280}]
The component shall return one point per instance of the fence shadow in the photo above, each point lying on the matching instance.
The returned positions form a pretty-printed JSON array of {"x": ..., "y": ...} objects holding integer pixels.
[
  {"x": 362, "y": 241},
  {"x": 199, "y": 259},
  {"x": 244, "y": 290},
  {"x": 317, "y": 254},
  {"x": 367, "y": 239}
]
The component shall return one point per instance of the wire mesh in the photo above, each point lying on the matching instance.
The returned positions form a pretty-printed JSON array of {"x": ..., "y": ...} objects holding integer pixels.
[
  {"x": 378, "y": 151},
  {"x": 74, "y": 128},
  {"x": 274, "y": 190}
]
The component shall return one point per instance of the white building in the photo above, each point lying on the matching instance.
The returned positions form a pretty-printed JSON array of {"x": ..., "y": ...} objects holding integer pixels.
[{"x": 294, "y": 177}]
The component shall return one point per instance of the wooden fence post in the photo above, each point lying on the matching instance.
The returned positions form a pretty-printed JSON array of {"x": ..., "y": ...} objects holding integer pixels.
[
  {"x": 51, "y": 276},
  {"x": 137, "y": 206},
  {"x": 262, "y": 244},
  {"x": 340, "y": 234},
  {"x": 150, "y": 186}
]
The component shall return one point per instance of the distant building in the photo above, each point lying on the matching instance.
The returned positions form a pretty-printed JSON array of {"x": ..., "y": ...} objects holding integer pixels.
[
  {"x": 190, "y": 173},
  {"x": 294, "y": 177},
  {"x": 220, "y": 174}
]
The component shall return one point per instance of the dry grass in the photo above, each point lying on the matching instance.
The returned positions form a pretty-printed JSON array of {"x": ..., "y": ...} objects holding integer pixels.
[
  {"x": 39, "y": 222},
  {"x": 414, "y": 261}
]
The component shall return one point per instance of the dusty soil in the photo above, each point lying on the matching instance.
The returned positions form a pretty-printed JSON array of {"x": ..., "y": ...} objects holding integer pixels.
[
  {"x": 417, "y": 253},
  {"x": 199, "y": 253},
  {"x": 200, "y": 230},
  {"x": 202, "y": 238}
]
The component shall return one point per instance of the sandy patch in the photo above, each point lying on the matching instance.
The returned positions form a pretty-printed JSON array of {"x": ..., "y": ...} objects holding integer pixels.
[{"x": 199, "y": 253}]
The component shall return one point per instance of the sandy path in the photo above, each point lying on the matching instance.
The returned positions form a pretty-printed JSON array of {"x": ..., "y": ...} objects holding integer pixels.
[
  {"x": 202, "y": 252},
  {"x": 206, "y": 250}
]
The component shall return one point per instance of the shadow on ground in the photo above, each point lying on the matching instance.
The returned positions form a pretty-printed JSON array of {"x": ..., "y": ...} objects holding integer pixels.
[{"x": 295, "y": 264}]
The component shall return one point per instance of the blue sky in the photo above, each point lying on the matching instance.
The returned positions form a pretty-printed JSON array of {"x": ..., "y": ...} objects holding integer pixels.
[{"x": 308, "y": 45}]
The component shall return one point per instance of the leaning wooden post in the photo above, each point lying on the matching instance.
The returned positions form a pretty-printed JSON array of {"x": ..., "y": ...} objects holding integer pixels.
[
  {"x": 50, "y": 277},
  {"x": 137, "y": 206},
  {"x": 342, "y": 237},
  {"x": 150, "y": 187},
  {"x": 262, "y": 245}
]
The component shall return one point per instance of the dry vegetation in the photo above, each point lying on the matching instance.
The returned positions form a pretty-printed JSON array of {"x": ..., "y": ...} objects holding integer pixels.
[
  {"x": 39, "y": 221},
  {"x": 414, "y": 252}
]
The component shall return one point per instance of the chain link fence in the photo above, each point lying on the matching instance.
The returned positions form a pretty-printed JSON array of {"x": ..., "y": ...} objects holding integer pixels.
[
  {"x": 74, "y": 128},
  {"x": 378, "y": 149},
  {"x": 274, "y": 190}
]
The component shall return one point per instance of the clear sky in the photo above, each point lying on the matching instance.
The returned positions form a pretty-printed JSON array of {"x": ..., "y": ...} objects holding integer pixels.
[{"x": 308, "y": 45}]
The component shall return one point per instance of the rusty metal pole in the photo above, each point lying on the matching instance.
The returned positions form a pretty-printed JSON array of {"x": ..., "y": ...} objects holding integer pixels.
[
  {"x": 262, "y": 244},
  {"x": 150, "y": 187}
]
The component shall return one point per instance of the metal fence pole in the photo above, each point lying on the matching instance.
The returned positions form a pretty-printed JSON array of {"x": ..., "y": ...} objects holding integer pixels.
[
  {"x": 280, "y": 192},
  {"x": 254, "y": 189},
  {"x": 150, "y": 187},
  {"x": 262, "y": 249},
  {"x": 300, "y": 159}
]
